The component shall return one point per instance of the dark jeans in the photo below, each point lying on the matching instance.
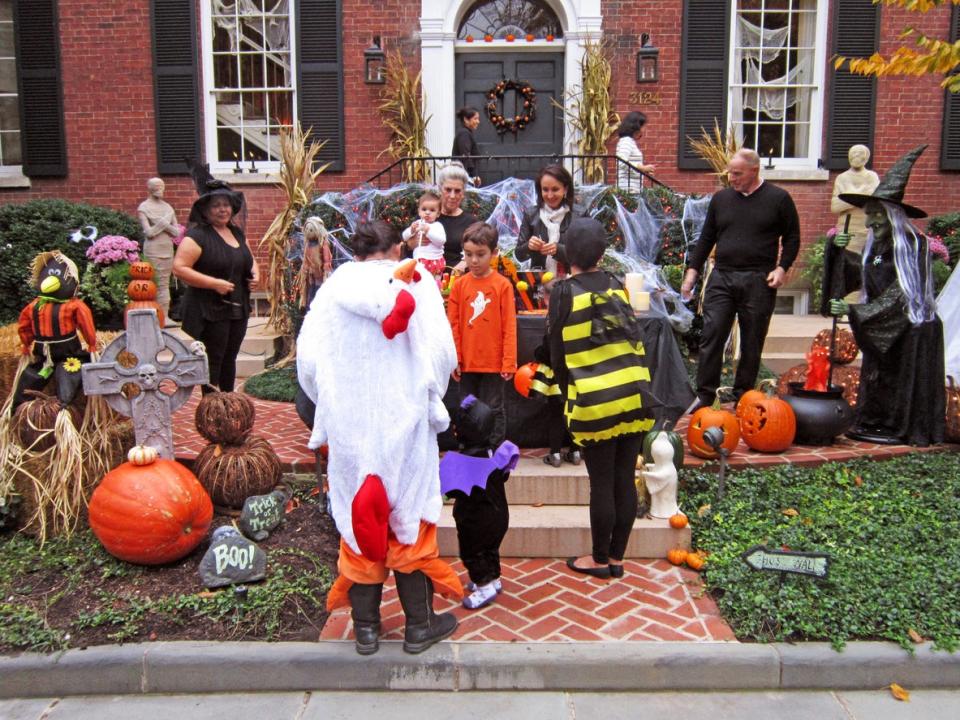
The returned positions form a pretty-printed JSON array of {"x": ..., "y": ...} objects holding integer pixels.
[
  {"x": 222, "y": 340},
  {"x": 611, "y": 465},
  {"x": 740, "y": 294},
  {"x": 482, "y": 520},
  {"x": 488, "y": 387}
]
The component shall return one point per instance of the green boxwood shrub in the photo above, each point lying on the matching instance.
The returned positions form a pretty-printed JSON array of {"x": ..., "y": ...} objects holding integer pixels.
[{"x": 39, "y": 225}]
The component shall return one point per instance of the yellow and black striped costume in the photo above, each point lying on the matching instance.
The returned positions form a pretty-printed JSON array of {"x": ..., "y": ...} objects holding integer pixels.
[{"x": 605, "y": 373}]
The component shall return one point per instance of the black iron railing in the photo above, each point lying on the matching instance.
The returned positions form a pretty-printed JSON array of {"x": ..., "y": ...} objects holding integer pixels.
[{"x": 585, "y": 169}]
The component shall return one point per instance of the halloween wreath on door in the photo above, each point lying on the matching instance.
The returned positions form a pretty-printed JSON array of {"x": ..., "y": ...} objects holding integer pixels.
[{"x": 516, "y": 123}]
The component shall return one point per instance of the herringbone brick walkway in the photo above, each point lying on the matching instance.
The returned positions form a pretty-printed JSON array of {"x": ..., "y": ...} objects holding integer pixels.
[{"x": 543, "y": 601}]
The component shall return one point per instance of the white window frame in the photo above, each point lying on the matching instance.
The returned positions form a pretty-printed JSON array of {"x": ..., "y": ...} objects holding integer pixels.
[
  {"x": 11, "y": 172},
  {"x": 226, "y": 166},
  {"x": 811, "y": 160}
]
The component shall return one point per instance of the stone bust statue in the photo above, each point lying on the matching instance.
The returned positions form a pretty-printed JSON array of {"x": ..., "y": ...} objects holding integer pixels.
[
  {"x": 857, "y": 179},
  {"x": 159, "y": 223}
]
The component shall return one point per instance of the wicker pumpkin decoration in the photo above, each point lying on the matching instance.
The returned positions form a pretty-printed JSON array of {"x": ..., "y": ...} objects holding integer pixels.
[
  {"x": 675, "y": 440},
  {"x": 225, "y": 418},
  {"x": 35, "y": 420},
  {"x": 845, "y": 348},
  {"x": 150, "y": 514},
  {"x": 767, "y": 423},
  {"x": 231, "y": 474},
  {"x": 141, "y": 270},
  {"x": 142, "y": 290},
  {"x": 712, "y": 416}
]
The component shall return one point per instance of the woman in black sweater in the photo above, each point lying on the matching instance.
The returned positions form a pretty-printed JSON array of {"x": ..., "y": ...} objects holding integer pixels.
[
  {"x": 464, "y": 145},
  {"x": 545, "y": 225}
]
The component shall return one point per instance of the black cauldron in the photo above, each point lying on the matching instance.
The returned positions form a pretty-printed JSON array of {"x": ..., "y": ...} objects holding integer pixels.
[{"x": 821, "y": 416}]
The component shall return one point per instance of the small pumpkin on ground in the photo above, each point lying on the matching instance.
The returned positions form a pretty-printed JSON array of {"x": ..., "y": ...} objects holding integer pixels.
[
  {"x": 767, "y": 423},
  {"x": 677, "y": 556},
  {"x": 150, "y": 514},
  {"x": 678, "y": 521},
  {"x": 225, "y": 418},
  {"x": 695, "y": 561},
  {"x": 231, "y": 474},
  {"x": 712, "y": 416}
]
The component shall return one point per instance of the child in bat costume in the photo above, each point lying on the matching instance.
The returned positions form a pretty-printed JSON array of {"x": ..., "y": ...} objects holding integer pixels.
[{"x": 475, "y": 478}]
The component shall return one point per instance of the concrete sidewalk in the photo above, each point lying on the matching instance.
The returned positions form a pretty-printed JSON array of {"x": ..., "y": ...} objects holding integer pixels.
[
  {"x": 552, "y": 705},
  {"x": 244, "y": 667}
]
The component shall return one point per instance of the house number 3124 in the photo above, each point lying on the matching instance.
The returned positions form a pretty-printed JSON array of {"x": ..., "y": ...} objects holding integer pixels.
[{"x": 644, "y": 97}]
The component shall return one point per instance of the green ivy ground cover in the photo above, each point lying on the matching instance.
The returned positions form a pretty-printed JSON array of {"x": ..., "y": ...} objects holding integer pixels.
[{"x": 892, "y": 530}]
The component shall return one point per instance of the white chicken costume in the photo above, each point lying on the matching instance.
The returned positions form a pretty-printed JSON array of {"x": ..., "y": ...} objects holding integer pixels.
[{"x": 375, "y": 354}]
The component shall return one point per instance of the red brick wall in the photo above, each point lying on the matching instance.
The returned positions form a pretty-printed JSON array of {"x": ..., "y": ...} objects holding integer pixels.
[{"x": 108, "y": 99}]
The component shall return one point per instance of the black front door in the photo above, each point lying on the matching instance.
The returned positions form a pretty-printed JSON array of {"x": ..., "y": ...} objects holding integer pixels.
[{"x": 478, "y": 74}]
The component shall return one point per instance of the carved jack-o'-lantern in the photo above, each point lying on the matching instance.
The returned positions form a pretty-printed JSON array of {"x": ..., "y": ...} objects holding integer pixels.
[
  {"x": 141, "y": 270},
  {"x": 142, "y": 290},
  {"x": 767, "y": 423},
  {"x": 712, "y": 416}
]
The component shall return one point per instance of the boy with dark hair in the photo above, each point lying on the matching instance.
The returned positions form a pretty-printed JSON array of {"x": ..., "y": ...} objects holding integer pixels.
[{"x": 482, "y": 314}]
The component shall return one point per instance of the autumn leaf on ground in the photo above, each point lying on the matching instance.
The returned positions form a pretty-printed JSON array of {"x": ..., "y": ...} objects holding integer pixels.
[
  {"x": 315, "y": 491},
  {"x": 205, "y": 594},
  {"x": 915, "y": 636},
  {"x": 537, "y": 504},
  {"x": 292, "y": 504},
  {"x": 790, "y": 512},
  {"x": 703, "y": 511},
  {"x": 858, "y": 481},
  {"x": 899, "y": 693}
]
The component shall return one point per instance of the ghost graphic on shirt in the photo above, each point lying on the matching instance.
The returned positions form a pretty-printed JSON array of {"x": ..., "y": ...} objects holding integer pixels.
[{"x": 479, "y": 304}]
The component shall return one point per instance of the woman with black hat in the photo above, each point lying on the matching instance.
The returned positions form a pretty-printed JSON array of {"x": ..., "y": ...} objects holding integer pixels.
[{"x": 214, "y": 261}]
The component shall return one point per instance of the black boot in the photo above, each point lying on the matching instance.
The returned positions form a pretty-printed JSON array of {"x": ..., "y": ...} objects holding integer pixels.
[
  {"x": 424, "y": 627},
  {"x": 365, "y": 611}
]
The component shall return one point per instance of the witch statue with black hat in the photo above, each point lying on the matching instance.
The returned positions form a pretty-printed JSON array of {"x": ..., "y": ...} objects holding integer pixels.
[
  {"x": 901, "y": 397},
  {"x": 220, "y": 272}
]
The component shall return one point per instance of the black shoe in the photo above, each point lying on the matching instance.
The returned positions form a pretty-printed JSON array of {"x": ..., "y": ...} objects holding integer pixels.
[
  {"x": 573, "y": 457},
  {"x": 424, "y": 627},
  {"x": 365, "y": 611},
  {"x": 553, "y": 459},
  {"x": 598, "y": 572},
  {"x": 616, "y": 571}
]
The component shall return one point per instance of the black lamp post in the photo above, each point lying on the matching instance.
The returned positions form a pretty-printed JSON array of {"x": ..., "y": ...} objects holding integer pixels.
[
  {"x": 374, "y": 63},
  {"x": 648, "y": 57}
]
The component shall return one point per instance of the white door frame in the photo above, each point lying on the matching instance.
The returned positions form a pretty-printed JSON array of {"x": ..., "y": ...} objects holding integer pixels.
[{"x": 439, "y": 19}]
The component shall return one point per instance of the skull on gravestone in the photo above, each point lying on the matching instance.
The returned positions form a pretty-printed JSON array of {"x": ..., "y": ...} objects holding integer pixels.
[
  {"x": 148, "y": 376},
  {"x": 198, "y": 348}
]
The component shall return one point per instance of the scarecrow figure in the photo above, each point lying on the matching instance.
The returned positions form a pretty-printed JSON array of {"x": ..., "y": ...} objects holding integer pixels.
[{"x": 50, "y": 326}]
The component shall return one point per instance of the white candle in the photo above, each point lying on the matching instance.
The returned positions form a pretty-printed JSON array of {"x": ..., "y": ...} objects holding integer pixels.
[{"x": 634, "y": 283}]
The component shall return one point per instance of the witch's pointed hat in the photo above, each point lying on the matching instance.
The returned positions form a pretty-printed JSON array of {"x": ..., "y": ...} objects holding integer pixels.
[{"x": 892, "y": 186}]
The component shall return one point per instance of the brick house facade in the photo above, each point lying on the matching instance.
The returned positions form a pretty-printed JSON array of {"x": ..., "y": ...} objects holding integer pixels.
[{"x": 101, "y": 60}]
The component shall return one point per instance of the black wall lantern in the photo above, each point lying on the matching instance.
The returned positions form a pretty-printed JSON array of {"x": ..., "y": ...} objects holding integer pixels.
[
  {"x": 374, "y": 63},
  {"x": 647, "y": 60}
]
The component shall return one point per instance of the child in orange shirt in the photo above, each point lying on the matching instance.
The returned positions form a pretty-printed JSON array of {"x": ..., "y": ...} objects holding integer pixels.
[{"x": 482, "y": 314}]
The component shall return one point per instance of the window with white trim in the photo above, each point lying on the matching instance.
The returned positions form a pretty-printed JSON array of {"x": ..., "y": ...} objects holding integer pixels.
[
  {"x": 776, "y": 78},
  {"x": 10, "y": 157},
  {"x": 249, "y": 80}
]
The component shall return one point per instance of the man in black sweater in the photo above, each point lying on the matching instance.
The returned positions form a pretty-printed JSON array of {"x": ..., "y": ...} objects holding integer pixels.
[{"x": 756, "y": 230}]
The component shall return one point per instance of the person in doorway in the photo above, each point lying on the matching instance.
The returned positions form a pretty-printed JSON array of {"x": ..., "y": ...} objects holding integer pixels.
[
  {"x": 464, "y": 144},
  {"x": 756, "y": 230},
  {"x": 160, "y": 229},
  {"x": 631, "y": 130},
  {"x": 544, "y": 227},
  {"x": 220, "y": 272}
]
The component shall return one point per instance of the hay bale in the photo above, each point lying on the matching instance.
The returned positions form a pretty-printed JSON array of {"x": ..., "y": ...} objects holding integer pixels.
[
  {"x": 230, "y": 474},
  {"x": 225, "y": 418}
]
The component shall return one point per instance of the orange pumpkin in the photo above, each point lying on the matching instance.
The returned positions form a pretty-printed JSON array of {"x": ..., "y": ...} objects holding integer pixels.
[
  {"x": 141, "y": 270},
  {"x": 712, "y": 416},
  {"x": 695, "y": 561},
  {"x": 678, "y": 521},
  {"x": 143, "y": 305},
  {"x": 523, "y": 377},
  {"x": 142, "y": 290},
  {"x": 150, "y": 514},
  {"x": 767, "y": 423},
  {"x": 677, "y": 556}
]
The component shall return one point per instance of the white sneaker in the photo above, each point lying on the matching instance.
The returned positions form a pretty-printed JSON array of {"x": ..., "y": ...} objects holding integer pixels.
[
  {"x": 482, "y": 596},
  {"x": 498, "y": 586}
]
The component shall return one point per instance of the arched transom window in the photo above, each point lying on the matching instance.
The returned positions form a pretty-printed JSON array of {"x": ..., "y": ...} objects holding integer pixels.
[{"x": 519, "y": 18}]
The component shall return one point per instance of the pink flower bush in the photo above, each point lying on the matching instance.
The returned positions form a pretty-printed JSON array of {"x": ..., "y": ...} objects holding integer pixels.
[
  {"x": 111, "y": 249},
  {"x": 937, "y": 248}
]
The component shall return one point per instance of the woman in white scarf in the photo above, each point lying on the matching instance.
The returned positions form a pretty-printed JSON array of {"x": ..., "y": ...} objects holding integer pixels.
[{"x": 542, "y": 232}]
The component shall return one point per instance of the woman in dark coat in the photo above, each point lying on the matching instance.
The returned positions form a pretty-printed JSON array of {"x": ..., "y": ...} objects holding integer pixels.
[
  {"x": 544, "y": 226},
  {"x": 464, "y": 145},
  {"x": 219, "y": 270}
]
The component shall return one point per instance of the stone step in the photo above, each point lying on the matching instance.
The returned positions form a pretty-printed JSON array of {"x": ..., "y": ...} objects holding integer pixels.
[
  {"x": 249, "y": 365},
  {"x": 564, "y": 531},
  {"x": 533, "y": 482}
]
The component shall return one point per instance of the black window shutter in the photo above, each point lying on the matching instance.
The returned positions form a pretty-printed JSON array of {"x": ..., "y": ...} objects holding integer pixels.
[
  {"x": 176, "y": 100},
  {"x": 852, "y": 101},
  {"x": 950, "y": 146},
  {"x": 38, "y": 81},
  {"x": 320, "y": 80},
  {"x": 703, "y": 74}
]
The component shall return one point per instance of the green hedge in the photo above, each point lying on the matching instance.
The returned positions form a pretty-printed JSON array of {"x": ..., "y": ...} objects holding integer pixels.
[{"x": 30, "y": 228}]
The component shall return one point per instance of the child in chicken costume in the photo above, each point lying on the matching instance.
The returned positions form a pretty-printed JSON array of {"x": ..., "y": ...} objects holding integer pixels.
[{"x": 375, "y": 354}]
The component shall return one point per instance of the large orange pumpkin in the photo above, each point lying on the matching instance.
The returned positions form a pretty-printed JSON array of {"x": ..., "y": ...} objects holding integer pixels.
[
  {"x": 143, "y": 305},
  {"x": 712, "y": 416},
  {"x": 767, "y": 423},
  {"x": 523, "y": 377},
  {"x": 150, "y": 514}
]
